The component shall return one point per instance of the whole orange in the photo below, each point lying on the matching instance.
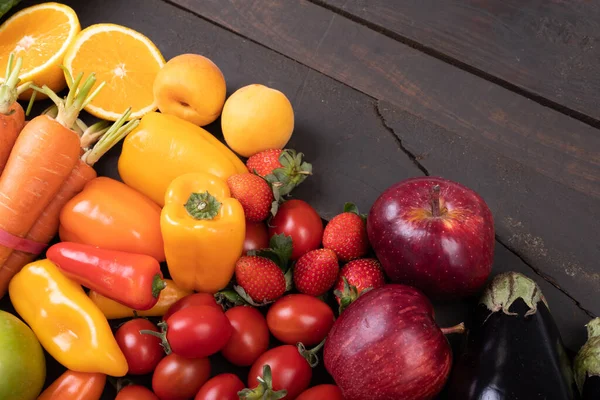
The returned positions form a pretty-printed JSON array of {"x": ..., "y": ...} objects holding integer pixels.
[
  {"x": 257, "y": 118},
  {"x": 191, "y": 87}
]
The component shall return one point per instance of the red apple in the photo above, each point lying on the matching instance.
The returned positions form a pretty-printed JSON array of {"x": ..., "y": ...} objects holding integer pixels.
[
  {"x": 434, "y": 234},
  {"x": 386, "y": 345}
]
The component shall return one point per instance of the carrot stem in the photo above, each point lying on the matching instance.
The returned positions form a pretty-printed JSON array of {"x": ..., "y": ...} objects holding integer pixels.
[
  {"x": 31, "y": 100},
  {"x": 77, "y": 98},
  {"x": 93, "y": 133},
  {"x": 112, "y": 136},
  {"x": 8, "y": 89}
]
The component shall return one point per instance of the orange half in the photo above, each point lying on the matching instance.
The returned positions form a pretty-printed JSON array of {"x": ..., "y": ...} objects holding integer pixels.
[
  {"x": 125, "y": 59},
  {"x": 40, "y": 35}
]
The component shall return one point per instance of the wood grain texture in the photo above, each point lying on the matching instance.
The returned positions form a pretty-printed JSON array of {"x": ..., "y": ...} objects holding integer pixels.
[
  {"x": 548, "y": 48},
  {"x": 341, "y": 131},
  {"x": 549, "y": 178}
]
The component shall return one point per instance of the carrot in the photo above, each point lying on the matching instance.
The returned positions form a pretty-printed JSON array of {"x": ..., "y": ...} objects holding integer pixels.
[
  {"x": 44, "y": 155},
  {"x": 47, "y": 225},
  {"x": 12, "y": 116}
]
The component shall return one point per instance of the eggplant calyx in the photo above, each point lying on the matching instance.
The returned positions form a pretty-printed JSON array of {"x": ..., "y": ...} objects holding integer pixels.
[
  {"x": 587, "y": 361},
  {"x": 506, "y": 288}
]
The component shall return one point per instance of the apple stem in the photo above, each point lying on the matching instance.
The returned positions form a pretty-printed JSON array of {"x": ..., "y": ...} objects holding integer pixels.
[
  {"x": 435, "y": 201},
  {"x": 460, "y": 328}
]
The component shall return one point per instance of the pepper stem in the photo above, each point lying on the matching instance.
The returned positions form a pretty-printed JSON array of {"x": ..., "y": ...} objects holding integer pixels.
[
  {"x": 311, "y": 355},
  {"x": 162, "y": 335},
  {"x": 158, "y": 284},
  {"x": 435, "y": 201},
  {"x": 460, "y": 328},
  {"x": 202, "y": 206}
]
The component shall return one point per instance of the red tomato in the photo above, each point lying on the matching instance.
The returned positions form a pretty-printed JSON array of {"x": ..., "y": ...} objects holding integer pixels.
[
  {"x": 250, "y": 336},
  {"x": 135, "y": 392},
  {"x": 257, "y": 236},
  {"x": 196, "y": 299},
  {"x": 198, "y": 331},
  {"x": 221, "y": 387},
  {"x": 300, "y": 318},
  {"x": 180, "y": 378},
  {"x": 289, "y": 369},
  {"x": 322, "y": 392},
  {"x": 142, "y": 351},
  {"x": 296, "y": 218}
]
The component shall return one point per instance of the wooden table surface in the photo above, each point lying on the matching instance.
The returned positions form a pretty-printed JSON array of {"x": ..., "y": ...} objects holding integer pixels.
[{"x": 502, "y": 96}]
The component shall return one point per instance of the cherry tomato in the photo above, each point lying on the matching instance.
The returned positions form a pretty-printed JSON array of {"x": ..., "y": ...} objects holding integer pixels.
[
  {"x": 196, "y": 299},
  {"x": 289, "y": 369},
  {"x": 180, "y": 378},
  {"x": 221, "y": 387},
  {"x": 250, "y": 336},
  {"x": 135, "y": 392},
  {"x": 296, "y": 218},
  {"x": 322, "y": 392},
  {"x": 300, "y": 318},
  {"x": 198, "y": 331},
  {"x": 257, "y": 236},
  {"x": 142, "y": 351}
]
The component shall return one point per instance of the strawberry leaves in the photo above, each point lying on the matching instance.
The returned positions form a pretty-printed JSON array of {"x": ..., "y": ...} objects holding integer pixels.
[
  {"x": 283, "y": 180},
  {"x": 352, "y": 208},
  {"x": 280, "y": 251}
]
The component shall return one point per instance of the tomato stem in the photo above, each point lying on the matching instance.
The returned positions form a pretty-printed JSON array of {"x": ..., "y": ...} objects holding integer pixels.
[
  {"x": 162, "y": 335},
  {"x": 311, "y": 355}
]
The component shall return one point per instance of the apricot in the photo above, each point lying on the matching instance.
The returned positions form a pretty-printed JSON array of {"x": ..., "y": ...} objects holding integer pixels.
[
  {"x": 257, "y": 118},
  {"x": 191, "y": 87}
]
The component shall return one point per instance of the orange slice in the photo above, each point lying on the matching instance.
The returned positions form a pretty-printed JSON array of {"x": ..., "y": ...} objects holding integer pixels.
[
  {"x": 40, "y": 35},
  {"x": 123, "y": 58}
]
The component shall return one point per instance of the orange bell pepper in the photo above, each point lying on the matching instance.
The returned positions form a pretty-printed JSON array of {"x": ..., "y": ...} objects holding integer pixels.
[
  {"x": 113, "y": 216},
  {"x": 170, "y": 295},
  {"x": 75, "y": 386}
]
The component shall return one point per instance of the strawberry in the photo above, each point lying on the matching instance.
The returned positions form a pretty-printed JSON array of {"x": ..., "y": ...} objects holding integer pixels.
[
  {"x": 346, "y": 234},
  {"x": 316, "y": 271},
  {"x": 283, "y": 169},
  {"x": 265, "y": 162},
  {"x": 254, "y": 193},
  {"x": 355, "y": 278},
  {"x": 260, "y": 279}
]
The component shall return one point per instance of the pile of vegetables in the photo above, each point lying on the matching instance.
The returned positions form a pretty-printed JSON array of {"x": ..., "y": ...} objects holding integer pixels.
[{"x": 199, "y": 252}]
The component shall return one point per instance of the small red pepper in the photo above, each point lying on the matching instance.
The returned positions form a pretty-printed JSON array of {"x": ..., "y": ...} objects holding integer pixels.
[{"x": 134, "y": 280}]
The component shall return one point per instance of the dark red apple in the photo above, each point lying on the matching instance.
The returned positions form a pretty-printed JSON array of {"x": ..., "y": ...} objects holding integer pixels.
[
  {"x": 434, "y": 234},
  {"x": 386, "y": 345}
]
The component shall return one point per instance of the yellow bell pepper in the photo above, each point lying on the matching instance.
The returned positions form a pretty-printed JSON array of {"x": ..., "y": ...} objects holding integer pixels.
[
  {"x": 203, "y": 229},
  {"x": 167, "y": 297},
  {"x": 67, "y": 323},
  {"x": 164, "y": 147}
]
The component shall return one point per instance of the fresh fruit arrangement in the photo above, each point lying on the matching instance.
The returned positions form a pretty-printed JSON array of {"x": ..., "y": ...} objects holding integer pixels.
[{"x": 202, "y": 252}]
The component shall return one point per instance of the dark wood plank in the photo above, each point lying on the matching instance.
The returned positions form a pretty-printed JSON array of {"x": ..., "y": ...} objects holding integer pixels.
[
  {"x": 547, "y": 48},
  {"x": 339, "y": 129},
  {"x": 539, "y": 145}
]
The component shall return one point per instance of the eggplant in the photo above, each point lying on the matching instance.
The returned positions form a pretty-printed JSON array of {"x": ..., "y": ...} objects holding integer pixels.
[
  {"x": 513, "y": 350},
  {"x": 587, "y": 363}
]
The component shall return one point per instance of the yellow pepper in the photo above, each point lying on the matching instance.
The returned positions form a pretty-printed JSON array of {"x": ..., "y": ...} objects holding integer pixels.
[
  {"x": 203, "y": 229},
  {"x": 67, "y": 323},
  {"x": 167, "y": 297},
  {"x": 164, "y": 147}
]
